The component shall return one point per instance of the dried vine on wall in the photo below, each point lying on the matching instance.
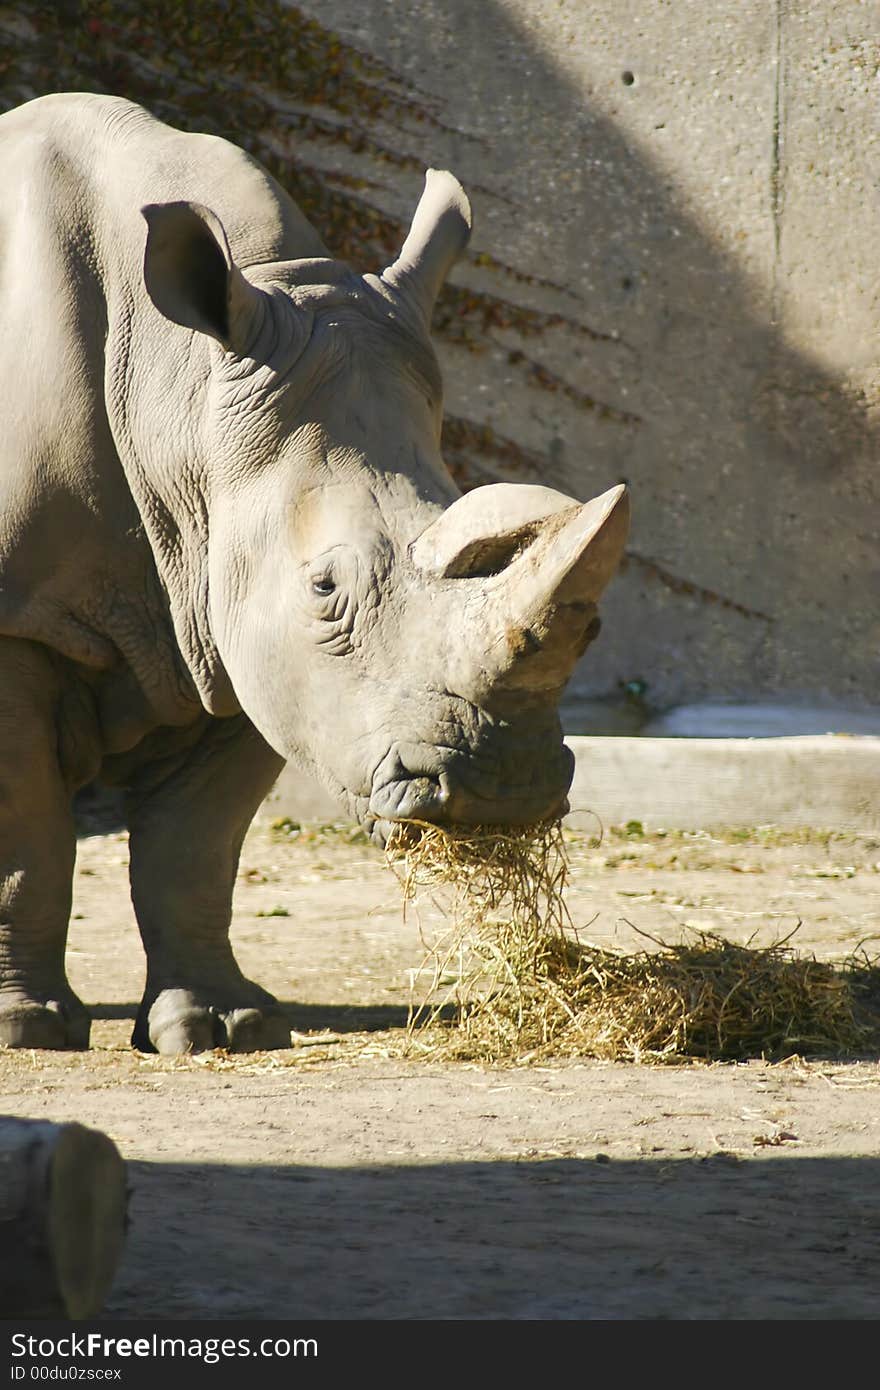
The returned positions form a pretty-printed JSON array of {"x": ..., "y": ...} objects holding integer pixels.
[{"x": 277, "y": 83}]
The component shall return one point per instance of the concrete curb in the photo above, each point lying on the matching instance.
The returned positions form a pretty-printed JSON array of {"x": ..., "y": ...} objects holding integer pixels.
[{"x": 823, "y": 782}]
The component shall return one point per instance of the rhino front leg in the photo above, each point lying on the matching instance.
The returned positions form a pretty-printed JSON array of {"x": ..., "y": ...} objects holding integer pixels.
[
  {"x": 185, "y": 840},
  {"x": 37, "y": 849}
]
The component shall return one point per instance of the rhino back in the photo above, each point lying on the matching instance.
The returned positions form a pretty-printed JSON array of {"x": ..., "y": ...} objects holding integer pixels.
[
  {"x": 115, "y": 157},
  {"x": 77, "y": 569}
]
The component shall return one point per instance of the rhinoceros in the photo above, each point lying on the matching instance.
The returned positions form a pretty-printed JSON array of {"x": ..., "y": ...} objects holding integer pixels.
[{"x": 227, "y": 539}]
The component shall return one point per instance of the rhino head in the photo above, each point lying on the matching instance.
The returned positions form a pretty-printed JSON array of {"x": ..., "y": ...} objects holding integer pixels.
[{"x": 405, "y": 643}]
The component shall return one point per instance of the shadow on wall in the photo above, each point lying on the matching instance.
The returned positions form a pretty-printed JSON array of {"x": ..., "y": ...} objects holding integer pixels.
[
  {"x": 565, "y": 1239},
  {"x": 614, "y": 337}
]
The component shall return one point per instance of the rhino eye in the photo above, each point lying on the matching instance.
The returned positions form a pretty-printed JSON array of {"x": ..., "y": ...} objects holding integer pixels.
[{"x": 329, "y": 590}]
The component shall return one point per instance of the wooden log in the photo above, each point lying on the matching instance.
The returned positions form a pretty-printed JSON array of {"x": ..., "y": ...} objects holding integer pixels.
[{"x": 62, "y": 1218}]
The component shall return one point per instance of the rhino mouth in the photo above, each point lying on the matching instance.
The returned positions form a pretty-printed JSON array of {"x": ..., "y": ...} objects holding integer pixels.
[
  {"x": 418, "y": 789},
  {"x": 451, "y": 788}
]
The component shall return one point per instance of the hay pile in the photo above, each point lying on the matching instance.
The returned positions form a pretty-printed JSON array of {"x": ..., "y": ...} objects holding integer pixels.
[{"x": 511, "y": 979}]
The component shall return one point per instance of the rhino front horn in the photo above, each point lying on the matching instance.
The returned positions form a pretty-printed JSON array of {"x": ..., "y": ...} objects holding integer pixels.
[
  {"x": 534, "y": 565},
  {"x": 440, "y": 230}
]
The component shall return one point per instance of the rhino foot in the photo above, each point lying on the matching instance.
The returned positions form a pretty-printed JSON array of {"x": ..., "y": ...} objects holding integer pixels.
[
  {"x": 56, "y": 1024},
  {"x": 179, "y": 1021}
]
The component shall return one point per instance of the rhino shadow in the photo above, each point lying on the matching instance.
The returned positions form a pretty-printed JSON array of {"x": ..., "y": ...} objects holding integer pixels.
[
  {"x": 686, "y": 1239},
  {"x": 304, "y": 1018}
]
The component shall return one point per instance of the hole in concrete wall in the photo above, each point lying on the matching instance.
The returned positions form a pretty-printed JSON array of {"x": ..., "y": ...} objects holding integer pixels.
[{"x": 627, "y": 78}]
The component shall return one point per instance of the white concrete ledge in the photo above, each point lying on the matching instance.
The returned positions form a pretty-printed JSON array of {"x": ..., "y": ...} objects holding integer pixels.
[{"x": 823, "y": 782}]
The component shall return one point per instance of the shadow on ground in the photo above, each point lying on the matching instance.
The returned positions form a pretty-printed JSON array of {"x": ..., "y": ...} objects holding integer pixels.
[
  {"x": 304, "y": 1018},
  {"x": 567, "y": 1239}
]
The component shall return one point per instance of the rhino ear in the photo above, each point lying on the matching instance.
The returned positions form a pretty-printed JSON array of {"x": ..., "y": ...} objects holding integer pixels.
[
  {"x": 190, "y": 275},
  {"x": 441, "y": 229}
]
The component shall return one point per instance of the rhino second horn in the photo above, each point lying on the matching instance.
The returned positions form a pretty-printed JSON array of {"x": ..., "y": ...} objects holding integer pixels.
[{"x": 440, "y": 231}]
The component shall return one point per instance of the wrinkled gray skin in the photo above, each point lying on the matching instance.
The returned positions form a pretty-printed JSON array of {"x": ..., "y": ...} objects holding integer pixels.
[{"x": 228, "y": 538}]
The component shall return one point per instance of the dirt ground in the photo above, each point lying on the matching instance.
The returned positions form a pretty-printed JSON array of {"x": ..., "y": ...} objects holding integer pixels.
[{"x": 335, "y": 1181}]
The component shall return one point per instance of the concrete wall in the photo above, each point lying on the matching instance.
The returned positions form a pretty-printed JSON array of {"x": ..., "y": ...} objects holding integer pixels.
[{"x": 697, "y": 184}]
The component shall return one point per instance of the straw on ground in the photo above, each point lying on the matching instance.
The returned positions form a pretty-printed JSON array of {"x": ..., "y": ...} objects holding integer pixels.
[{"x": 511, "y": 978}]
